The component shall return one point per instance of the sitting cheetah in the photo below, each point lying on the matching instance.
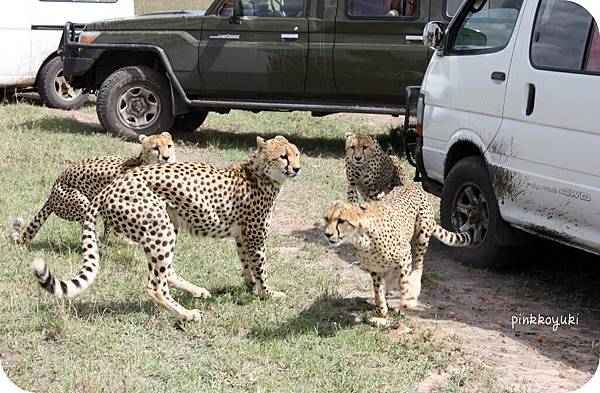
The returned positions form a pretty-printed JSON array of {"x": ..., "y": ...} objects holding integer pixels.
[
  {"x": 381, "y": 231},
  {"x": 80, "y": 183},
  {"x": 370, "y": 171},
  {"x": 149, "y": 203}
]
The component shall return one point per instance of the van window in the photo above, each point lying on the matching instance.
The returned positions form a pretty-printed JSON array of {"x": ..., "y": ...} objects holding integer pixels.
[
  {"x": 593, "y": 62},
  {"x": 560, "y": 37},
  {"x": 452, "y": 7},
  {"x": 382, "y": 8},
  {"x": 486, "y": 27}
]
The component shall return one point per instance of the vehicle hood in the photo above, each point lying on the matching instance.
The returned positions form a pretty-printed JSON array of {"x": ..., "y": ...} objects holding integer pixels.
[{"x": 153, "y": 21}]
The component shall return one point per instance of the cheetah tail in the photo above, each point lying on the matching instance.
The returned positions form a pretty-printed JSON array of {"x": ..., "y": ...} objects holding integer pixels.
[
  {"x": 453, "y": 239},
  {"x": 24, "y": 237},
  {"x": 88, "y": 272}
]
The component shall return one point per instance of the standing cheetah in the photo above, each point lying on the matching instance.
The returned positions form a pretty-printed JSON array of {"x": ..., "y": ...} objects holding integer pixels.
[
  {"x": 381, "y": 231},
  {"x": 149, "y": 203},
  {"x": 370, "y": 171},
  {"x": 80, "y": 183}
]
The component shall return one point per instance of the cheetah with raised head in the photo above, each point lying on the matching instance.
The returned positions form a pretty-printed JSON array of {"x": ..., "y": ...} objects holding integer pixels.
[
  {"x": 80, "y": 183},
  {"x": 371, "y": 172},
  {"x": 381, "y": 231},
  {"x": 149, "y": 203}
]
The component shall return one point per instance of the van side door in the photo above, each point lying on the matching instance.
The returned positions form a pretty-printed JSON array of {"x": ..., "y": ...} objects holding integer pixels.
[
  {"x": 261, "y": 54},
  {"x": 379, "y": 48},
  {"x": 548, "y": 147},
  {"x": 15, "y": 41}
]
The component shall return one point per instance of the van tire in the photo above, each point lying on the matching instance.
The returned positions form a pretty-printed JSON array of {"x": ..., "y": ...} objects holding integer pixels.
[
  {"x": 54, "y": 90},
  {"x": 470, "y": 177},
  {"x": 133, "y": 101}
]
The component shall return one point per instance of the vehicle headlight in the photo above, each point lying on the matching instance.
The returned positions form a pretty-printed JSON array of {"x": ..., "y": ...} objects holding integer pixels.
[{"x": 87, "y": 37}]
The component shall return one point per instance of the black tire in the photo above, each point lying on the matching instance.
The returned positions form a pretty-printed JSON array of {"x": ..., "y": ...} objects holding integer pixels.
[
  {"x": 189, "y": 122},
  {"x": 133, "y": 101},
  {"x": 54, "y": 90},
  {"x": 470, "y": 177}
]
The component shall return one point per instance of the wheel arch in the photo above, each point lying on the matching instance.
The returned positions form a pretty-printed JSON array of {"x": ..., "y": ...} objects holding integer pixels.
[
  {"x": 464, "y": 143},
  {"x": 39, "y": 70}
]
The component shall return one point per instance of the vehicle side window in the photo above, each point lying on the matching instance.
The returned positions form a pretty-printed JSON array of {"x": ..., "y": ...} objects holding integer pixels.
[
  {"x": 382, "y": 8},
  {"x": 452, "y": 7},
  {"x": 560, "y": 37},
  {"x": 486, "y": 27},
  {"x": 267, "y": 8},
  {"x": 593, "y": 61}
]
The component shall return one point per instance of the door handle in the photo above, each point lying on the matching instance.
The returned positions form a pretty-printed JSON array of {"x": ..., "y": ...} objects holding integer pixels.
[
  {"x": 530, "y": 99},
  {"x": 498, "y": 76},
  {"x": 289, "y": 36},
  {"x": 414, "y": 38}
]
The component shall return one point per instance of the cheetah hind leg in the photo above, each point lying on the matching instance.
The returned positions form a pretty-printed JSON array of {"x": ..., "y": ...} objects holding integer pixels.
[{"x": 177, "y": 282}]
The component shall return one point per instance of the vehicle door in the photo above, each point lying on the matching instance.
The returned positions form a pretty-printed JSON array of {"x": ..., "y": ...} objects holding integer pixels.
[
  {"x": 549, "y": 141},
  {"x": 262, "y": 53},
  {"x": 15, "y": 43},
  {"x": 466, "y": 85},
  {"x": 379, "y": 48}
]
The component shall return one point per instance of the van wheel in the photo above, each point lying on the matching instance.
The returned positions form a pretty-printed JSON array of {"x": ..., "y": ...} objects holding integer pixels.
[
  {"x": 189, "y": 122},
  {"x": 469, "y": 204},
  {"x": 54, "y": 89},
  {"x": 134, "y": 101}
]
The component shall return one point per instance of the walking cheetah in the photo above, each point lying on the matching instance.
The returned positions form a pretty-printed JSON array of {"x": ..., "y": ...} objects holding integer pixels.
[
  {"x": 149, "y": 203},
  {"x": 381, "y": 231},
  {"x": 370, "y": 171},
  {"x": 80, "y": 183}
]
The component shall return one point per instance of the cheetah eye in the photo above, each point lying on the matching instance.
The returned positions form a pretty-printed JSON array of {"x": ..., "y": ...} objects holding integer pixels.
[
  {"x": 284, "y": 157},
  {"x": 156, "y": 148},
  {"x": 341, "y": 221},
  {"x": 169, "y": 146},
  {"x": 352, "y": 147},
  {"x": 365, "y": 147}
]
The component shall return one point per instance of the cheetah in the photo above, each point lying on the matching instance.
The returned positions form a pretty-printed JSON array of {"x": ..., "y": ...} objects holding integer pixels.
[
  {"x": 148, "y": 205},
  {"x": 380, "y": 232},
  {"x": 80, "y": 183},
  {"x": 370, "y": 171}
]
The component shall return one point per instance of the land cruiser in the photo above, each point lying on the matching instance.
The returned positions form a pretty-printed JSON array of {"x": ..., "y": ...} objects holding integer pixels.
[
  {"x": 323, "y": 56},
  {"x": 508, "y": 124}
]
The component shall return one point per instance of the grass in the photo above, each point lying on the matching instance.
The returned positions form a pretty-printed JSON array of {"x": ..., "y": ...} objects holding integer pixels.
[{"x": 113, "y": 339}]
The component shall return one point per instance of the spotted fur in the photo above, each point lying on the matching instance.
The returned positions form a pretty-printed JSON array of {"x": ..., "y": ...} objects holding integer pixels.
[
  {"x": 148, "y": 205},
  {"x": 80, "y": 183},
  {"x": 371, "y": 172},
  {"x": 381, "y": 231}
]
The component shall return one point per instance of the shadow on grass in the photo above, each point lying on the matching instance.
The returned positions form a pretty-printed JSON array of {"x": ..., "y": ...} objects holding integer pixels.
[
  {"x": 325, "y": 317},
  {"x": 315, "y": 235},
  {"x": 59, "y": 247},
  {"x": 64, "y": 125}
]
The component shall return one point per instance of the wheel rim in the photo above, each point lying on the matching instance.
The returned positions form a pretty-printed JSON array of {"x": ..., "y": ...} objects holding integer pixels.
[
  {"x": 139, "y": 107},
  {"x": 471, "y": 213},
  {"x": 63, "y": 89}
]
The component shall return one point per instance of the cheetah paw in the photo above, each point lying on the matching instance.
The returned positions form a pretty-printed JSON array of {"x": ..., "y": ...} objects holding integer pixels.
[
  {"x": 193, "y": 315},
  {"x": 271, "y": 295},
  {"x": 379, "y": 321},
  {"x": 200, "y": 293}
]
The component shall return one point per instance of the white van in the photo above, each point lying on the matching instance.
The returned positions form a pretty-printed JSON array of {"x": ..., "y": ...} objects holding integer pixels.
[
  {"x": 509, "y": 124},
  {"x": 30, "y": 32}
]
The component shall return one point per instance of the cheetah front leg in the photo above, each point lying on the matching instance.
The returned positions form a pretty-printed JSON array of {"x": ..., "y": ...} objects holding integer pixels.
[
  {"x": 247, "y": 275},
  {"x": 177, "y": 282},
  {"x": 379, "y": 290},
  {"x": 254, "y": 264}
]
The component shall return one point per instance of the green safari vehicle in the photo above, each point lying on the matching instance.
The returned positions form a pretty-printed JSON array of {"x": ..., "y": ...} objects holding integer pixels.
[{"x": 167, "y": 70}]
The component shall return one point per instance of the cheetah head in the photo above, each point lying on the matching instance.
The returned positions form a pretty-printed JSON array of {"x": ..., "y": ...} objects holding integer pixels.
[
  {"x": 360, "y": 148},
  {"x": 342, "y": 222},
  {"x": 279, "y": 158},
  {"x": 157, "y": 149}
]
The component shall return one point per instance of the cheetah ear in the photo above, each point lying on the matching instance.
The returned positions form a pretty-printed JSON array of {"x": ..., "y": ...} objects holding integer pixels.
[
  {"x": 166, "y": 134},
  {"x": 260, "y": 142},
  {"x": 281, "y": 138},
  {"x": 348, "y": 134},
  {"x": 142, "y": 137}
]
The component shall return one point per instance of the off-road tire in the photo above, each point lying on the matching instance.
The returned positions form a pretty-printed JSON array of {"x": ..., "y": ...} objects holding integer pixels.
[
  {"x": 123, "y": 80},
  {"x": 189, "y": 122},
  {"x": 46, "y": 87},
  {"x": 491, "y": 252}
]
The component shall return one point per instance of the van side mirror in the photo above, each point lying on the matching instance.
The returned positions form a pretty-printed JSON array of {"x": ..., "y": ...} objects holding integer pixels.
[{"x": 433, "y": 35}]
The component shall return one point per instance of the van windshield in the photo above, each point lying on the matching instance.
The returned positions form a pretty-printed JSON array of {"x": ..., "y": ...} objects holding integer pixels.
[{"x": 487, "y": 26}]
